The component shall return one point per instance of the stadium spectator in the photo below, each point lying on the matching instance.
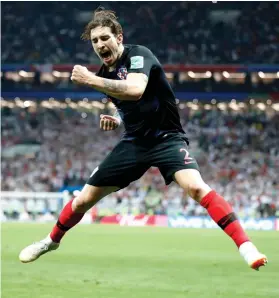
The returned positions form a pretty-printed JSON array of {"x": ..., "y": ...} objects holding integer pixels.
[
  {"x": 243, "y": 159},
  {"x": 51, "y": 36}
]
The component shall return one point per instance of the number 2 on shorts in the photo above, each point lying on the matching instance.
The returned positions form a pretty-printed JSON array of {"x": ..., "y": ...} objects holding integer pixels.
[{"x": 187, "y": 159}]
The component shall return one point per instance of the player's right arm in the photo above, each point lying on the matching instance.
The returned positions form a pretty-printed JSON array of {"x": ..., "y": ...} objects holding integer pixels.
[
  {"x": 130, "y": 89},
  {"x": 140, "y": 62}
]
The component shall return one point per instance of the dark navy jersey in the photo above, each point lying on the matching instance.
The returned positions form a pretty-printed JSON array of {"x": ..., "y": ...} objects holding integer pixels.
[{"x": 155, "y": 113}]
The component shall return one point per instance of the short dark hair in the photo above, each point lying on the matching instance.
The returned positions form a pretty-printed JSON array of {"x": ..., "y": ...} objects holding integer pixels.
[{"x": 103, "y": 18}]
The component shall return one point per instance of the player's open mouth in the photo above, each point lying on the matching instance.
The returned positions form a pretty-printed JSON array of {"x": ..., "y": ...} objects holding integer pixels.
[{"x": 106, "y": 56}]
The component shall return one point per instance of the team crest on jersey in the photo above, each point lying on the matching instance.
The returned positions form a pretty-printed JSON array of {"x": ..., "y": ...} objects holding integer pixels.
[{"x": 122, "y": 73}]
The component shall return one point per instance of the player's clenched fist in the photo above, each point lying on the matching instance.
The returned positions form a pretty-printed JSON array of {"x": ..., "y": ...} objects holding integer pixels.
[
  {"x": 80, "y": 74},
  {"x": 108, "y": 122}
]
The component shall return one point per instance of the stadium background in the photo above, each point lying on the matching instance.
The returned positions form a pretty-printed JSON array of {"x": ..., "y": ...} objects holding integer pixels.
[{"x": 223, "y": 62}]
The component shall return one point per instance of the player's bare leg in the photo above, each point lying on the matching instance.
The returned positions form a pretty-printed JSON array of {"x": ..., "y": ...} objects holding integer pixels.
[
  {"x": 222, "y": 213},
  {"x": 71, "y": 215}
]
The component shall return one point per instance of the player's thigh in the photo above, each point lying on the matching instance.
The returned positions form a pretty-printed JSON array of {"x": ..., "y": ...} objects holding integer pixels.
[
  {"x": 191, "y": 181},
  {"x": 172, "y": 155},
  {"x": 122, "y": 166},
  {"x": 90, "y": 195}
]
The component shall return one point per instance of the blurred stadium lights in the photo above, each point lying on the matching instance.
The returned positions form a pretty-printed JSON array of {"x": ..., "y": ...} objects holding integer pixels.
[
  {"x": 222, "y": 106},
  {"x": 191, "y": 74},
  {"x": 90, "y": 106},
  {"x": 267, "y": 75},
  {"x": 207, "y": 107},
  {"x": 195, "y": 107},
  {"x": 27, "y": 103},
  {"x": 190, "y": 104},
  {"x": 261, "y": 106},
  {"x": 59, "y": 75},
  {"x": 98, "y": 104},
  {"x": 56, "y": 73},
  {"x": 234, "y": 106},
  {"x": 73, "y": 105},
  {"x": 261, "y": 75},
  {"x": 63, "y": 106},
  {"x": 218, "y": 75},
  {"x": 26, "y": 74},
  {"x": 226, "y": 74},
  {"x": 45, "y": 104},
  {"x": 241, "y": 105},
  {"x": 182, "y": 106}
]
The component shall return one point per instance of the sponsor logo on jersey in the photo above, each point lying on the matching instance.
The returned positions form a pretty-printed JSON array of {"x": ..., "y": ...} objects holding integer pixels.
[{"x": 136, "y": 62}]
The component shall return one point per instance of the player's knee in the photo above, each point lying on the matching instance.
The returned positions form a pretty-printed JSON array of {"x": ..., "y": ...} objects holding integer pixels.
[
  {"x": 89, "y": 196},
  {"x": 81, "y": 204},
  {"x": 84, "y": 201},
  {"x": 198, "y": 191}
]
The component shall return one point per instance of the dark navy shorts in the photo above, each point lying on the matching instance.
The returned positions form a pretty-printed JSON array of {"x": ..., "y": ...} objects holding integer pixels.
[{"x": 129, "y": 160}]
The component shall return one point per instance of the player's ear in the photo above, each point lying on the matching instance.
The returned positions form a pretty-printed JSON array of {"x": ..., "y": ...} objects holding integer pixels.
[{"x": 119, "y": 38}]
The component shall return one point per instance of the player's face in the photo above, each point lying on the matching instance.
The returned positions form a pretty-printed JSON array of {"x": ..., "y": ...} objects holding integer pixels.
[{"x": 106, "y": 45}]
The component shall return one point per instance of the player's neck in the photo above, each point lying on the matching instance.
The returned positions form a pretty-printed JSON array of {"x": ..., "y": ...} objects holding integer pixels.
[{"x": 120, "y": 52}]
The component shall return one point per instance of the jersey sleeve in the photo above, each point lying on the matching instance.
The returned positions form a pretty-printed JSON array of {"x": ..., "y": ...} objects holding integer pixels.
[{"x": 141, "y": 60}]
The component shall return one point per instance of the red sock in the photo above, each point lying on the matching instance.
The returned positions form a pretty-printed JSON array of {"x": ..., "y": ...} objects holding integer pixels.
[
  {"x": 221, "y": 212},
  {"x": 67, "y": 219}
]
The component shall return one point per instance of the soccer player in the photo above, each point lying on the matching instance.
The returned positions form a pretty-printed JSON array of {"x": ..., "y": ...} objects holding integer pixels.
[{"x": 132, "y": 77}]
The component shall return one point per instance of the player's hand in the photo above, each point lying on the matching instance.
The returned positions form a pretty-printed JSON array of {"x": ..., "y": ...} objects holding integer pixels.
[
  {"x": 108, "y": 122},
  {"x": 81, "y": 75}
]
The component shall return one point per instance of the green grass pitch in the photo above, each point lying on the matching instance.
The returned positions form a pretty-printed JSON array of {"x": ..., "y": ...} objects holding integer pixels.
[{"x": 96, "y": 261}]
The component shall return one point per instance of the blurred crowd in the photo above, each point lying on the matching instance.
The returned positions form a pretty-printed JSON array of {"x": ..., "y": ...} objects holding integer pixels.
[
  {"x": 238, "y": 153},
  {"x": 177, "y": 32},
  {"x": 48, "y": 150}
]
